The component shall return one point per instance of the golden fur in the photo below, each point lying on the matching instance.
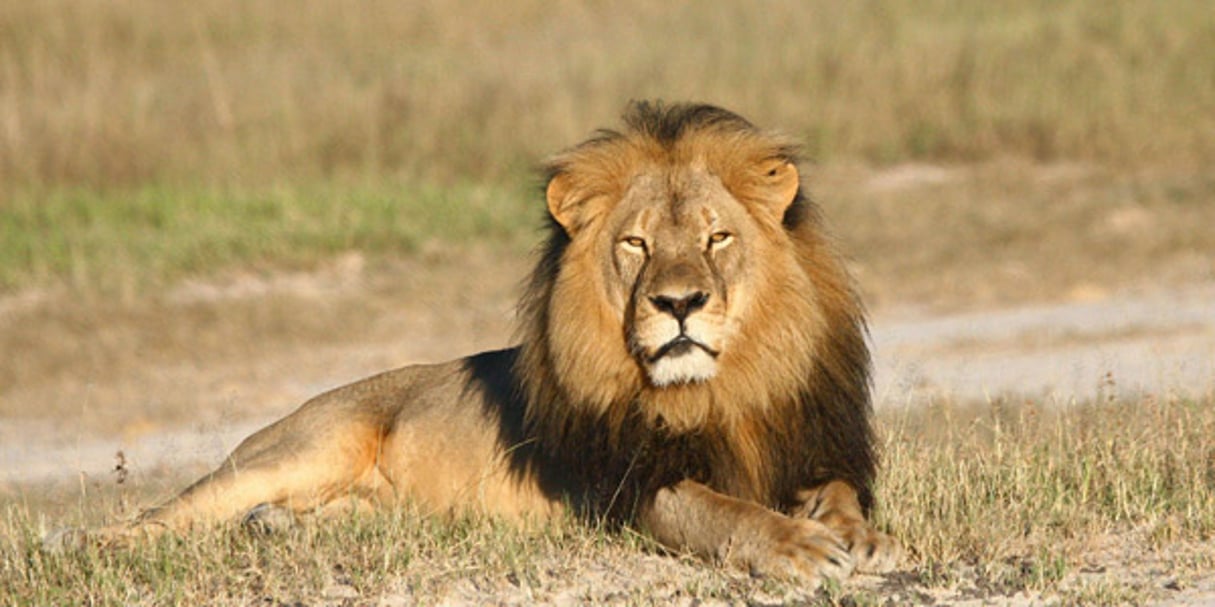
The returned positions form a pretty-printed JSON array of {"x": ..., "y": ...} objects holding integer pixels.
[{"x": 691, "y": 361}]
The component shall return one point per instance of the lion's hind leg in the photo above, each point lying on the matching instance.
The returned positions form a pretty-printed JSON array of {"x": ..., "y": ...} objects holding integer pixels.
[
  {"x": 322, "y": 453},
  {"x": 835, "y": 504},
  {"x": 301, "y": 463}
]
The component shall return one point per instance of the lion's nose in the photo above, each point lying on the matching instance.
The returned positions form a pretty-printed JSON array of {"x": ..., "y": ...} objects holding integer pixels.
[{"x": 680, "y": 307}]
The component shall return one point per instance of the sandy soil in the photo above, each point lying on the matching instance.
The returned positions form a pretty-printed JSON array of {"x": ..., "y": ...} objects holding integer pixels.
[{"x": 1160, "y": 342}]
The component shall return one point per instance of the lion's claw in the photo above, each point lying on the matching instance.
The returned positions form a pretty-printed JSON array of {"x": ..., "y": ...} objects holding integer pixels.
[
  {"x": 800, "y": 549},
  {"x": 874, "y": 551}
]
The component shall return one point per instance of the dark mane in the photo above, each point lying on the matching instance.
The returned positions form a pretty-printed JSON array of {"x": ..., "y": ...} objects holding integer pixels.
[{"x": 667, "y": 123}]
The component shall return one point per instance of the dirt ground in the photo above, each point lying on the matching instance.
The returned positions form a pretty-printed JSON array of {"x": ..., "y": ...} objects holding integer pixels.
[
  {"x": 178, "y": 409},
  {"x": 173, "y": 384}
]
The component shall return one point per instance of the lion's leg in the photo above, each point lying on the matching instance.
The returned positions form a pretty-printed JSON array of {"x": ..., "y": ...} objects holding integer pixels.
[
  {"x": 300, "y": 463},
  {"x": 835, "y": 505},
  {"x": 690, "y": 516}
]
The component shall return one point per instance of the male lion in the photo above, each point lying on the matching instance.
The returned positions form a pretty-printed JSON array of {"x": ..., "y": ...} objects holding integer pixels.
[{"x": 692, "y": 361}]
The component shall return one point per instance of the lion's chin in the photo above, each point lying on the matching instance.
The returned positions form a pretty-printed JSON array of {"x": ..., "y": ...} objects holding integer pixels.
[{"x": 691, "y": 366}]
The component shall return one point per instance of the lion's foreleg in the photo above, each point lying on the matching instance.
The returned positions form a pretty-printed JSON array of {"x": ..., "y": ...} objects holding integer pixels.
[
  {"x": 690, "y": 516},
  {"x": 835, "y": 504}
]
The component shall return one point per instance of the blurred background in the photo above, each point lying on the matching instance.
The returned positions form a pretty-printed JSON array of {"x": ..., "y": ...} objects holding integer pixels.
[
  {"x": 142, "y": 141},
  {"x": 211, "y": 210}
]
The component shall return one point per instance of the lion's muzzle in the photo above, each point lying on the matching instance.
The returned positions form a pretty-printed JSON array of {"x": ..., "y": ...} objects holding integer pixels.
[{"x": 677, "y": 336}]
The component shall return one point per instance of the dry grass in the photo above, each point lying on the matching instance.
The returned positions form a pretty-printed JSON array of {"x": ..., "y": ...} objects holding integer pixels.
[
  {"x": 1022, "y": 478},
  {"x": 995, "y": 500},
  {"x": 145, "y": 141},
  {"x": 105, "y": 94}
]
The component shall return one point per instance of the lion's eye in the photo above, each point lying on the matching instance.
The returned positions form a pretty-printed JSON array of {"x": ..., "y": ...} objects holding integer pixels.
[
  {"x": 720, "y": 239},
  {"x": 636, "y": 243}
]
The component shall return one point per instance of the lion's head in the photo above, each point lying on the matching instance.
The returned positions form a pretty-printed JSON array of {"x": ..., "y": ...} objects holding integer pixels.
[{"x": 688, "y": 288}]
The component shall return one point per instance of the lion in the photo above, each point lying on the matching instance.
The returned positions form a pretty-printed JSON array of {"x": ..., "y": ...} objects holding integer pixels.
[{"x": 691, "y": 362}]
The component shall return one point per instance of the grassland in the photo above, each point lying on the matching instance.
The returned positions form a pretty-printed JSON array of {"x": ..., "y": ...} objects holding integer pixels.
[
  {"x": 251, "y": 134},
  {"x": 1003, "y": 499},
  {"x": 106, "y": 94},
  {"x": 126, "y": 243}
]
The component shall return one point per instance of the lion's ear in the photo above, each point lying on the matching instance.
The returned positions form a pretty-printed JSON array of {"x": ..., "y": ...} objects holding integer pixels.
[
  {"x": 781, "y": 183},
  {"x": 562, "y": 202}
]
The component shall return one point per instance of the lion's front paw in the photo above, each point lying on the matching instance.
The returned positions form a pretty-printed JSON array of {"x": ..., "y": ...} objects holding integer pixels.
[
  {"x": 793, "y": 548},
  {"x": 836, "y": 505},
  {"x": 872, "y": 550}
]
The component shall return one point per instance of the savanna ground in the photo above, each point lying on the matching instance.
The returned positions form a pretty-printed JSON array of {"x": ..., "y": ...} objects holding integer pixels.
[{"x": 210, "y": 211}]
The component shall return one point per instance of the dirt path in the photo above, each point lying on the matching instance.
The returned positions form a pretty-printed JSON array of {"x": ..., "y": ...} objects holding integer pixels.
[{"x": 1158, "y": 342}]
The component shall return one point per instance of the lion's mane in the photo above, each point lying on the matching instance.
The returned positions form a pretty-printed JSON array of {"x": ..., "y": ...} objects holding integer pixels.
[{"x": 789, "y": 407}]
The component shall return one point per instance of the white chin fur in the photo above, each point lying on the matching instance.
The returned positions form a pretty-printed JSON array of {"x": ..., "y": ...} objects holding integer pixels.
[{"x": 693, "y": 366}]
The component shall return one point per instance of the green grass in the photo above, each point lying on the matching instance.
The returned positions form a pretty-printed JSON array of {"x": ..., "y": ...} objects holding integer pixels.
[
  {"x": 1006, "y": 497},
  {"x": 127, "y": 241},
  {"x": 1072, "y": 232}
]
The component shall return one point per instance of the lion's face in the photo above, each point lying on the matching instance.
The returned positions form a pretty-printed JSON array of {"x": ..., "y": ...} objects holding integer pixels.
[
  {"x": 680, "y": 257},
  {"x": 677, "y": 246}
]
